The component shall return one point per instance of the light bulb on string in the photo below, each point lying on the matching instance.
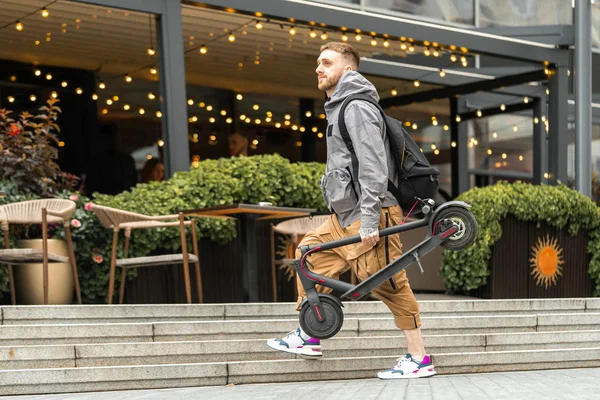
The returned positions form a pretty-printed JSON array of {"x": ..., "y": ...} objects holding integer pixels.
[
  {"x": 19, "y": 26},
  {"x": 11, "y": 99},
  {"x": 102, "y": 85},
  {"x": 427, "y": 52},
  {"x": 344, "y": 37},
  {"x": 37, "y": 72},
  {"x": 417, "y": 83},
  {"x": 32, "y": 97},
  {"x": 45, "y": 13},
  {"x": 502, "y": 107},
  {"x": 231, "y": 37},
  {"x": 442, "y": 73},
  {"x": 203, "y": 49},
  {"x": 94, "y": 96},
  {"x": 394, "y": 92},
  {"x": 293, "y": 30},
  {"x": 79, "y": 91},
  {"x": 49, "y": 77},
  {"x": 153, "y": 71},
  {"x": 312, "y": 33},
  {"x": 358, "y": 37},
  {"x": 151, "y": 96},
  {"x": 142, "y": 111},
  {"x": 324, "y": 36},
  {"x": 373, "y": 41},
  {"x": 151, "y": 51},
  {"x": 126, "y": 107},
  {"x": 64, "y": 84},
  {"x": 411, "y": 49},
  {"x": 436, "y": 53},
  {"x": 128, "y": 78},
  {"x": 403, "y": 46},
  {"x": 259, "y": 25},
  {"x": 453, "y": 57},
  {"x": 386, "y": 43},
  {"x": 239, "y": 96}
]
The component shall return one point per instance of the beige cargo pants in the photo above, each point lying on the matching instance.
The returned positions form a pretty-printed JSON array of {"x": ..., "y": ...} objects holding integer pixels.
[{"x": 364, "y": 262}]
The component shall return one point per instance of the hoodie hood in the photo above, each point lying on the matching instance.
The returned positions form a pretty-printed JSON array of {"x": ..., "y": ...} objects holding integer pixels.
[{"x": 351, "y": 82}]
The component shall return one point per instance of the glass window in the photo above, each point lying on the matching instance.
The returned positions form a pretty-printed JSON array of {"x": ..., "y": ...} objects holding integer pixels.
[
  {"x": 457, "y": 11},
  {"x": 524, "y": 12},
  {"x": 502, "y": 143},
  {"x": 596, "y": 24}
]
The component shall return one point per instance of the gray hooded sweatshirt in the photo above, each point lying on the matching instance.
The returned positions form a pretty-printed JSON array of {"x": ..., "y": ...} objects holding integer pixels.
[{"x": 363, "y": 199}]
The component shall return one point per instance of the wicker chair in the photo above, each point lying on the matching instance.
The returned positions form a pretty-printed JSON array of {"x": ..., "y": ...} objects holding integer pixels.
[
  {"x": 116, "y": 220},
  {"x": 294, "y": 229},
  {"x": 43, "y": 212}
]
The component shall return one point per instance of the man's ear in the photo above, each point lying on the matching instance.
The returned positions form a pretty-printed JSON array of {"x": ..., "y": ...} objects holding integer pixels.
[{"x": 348, "y": 68}]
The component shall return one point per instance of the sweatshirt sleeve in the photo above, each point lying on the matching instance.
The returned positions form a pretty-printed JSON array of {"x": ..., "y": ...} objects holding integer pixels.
[{"x": 364, "y": 124}]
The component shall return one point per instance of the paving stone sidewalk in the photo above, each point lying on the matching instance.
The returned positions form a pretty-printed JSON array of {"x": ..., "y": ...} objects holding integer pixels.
[{"x": 576, "y": 384}]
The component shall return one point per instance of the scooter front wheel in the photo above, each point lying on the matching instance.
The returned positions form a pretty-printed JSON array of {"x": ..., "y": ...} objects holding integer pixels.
[{"x": 332, "y": 323}]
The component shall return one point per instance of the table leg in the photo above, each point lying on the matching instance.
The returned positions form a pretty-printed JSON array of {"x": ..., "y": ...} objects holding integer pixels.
[{"x": 250, "y": 268}]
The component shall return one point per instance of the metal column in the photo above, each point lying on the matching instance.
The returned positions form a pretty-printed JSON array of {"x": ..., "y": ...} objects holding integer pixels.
[
  {"x": 539, "y": 143},
  {"x": 558, "y": 134},
  {"x": 309, "y": 139},
  {"x": 583, "y": 97},
  {"x": 459, "y": 153},
  {"x": 172, "y": 88}
]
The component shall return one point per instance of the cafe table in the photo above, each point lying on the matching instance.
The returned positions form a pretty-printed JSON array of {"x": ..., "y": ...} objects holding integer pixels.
[{"x": 248, "y": 214}]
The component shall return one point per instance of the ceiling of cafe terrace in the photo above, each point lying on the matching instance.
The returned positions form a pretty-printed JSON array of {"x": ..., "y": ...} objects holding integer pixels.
[{"x": 116, "y": 42}]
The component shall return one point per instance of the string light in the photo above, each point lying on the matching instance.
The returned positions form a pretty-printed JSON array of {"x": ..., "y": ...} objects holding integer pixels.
[
  {"x": 11, "y": 99},
  {"x": 453, "y": 144},
  {"x": 458, "y": 118},
  {"x": 394, "y": 92},
  {"x": 293, "y": 31},
  {"x": 223, "y": 112},
  {"x": 446, "y": 127},
  {"x": 151, "y": 51},
  {"x": 255, "y": 107},
  {"x": 79, "y": 91},
  {"x": 442, "y": 73},
  {"x": 19, "y": 26},
  {"x": 49, "y": 77},
  {"x": 525, "y": 100},
  {"x": 502, "y": 107},
  {"x": 312, "y": 33},
  {"x": 64, "y": 84},
  {"x": 426, "y": 52},
  {"x": 494, "y": 135},
  {"x": 45, "y": 13},
  {"x": 109, "y": 102},
  {"x": 259, "y": 25},
  {"x": 324, "y": 36},
  {"x": 209, "y": 107},
  {"x": 515, "y": 128},
  {"x": 128, "y": 78},
  {"x": 358, "y": 37},
  {"x": 142, "y": 111},
  {"x": 417, "y": 83},
  {"x": 126, "y": 107},
  {"x": 32, "y": 97},
  {"x": 94, "y": 96},
  {"x": 479, "y": 113},
  {"x": 153, "y": 71},
  {"x": 239, "y": 96},
  {"x": 203, "y": 49},
  {"x": 344, "y": 37},
  {"x": 102, "y": 85},
  {"x": 151, "y": 96},
  {"x": 231, "y": 37},
  {"x": 373, "y": 41},
  {"x": 386, "y": 43},
  {"x": 308, "y": 114}
]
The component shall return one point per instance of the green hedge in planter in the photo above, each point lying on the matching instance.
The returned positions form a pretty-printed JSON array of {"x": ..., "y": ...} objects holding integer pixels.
[
  {"x": 558, "y": 206},
  {"x": 214, "y": 182}
]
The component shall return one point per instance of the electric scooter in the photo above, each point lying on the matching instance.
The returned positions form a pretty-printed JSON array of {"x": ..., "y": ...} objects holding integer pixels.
[{"x": 451, "y": 226}]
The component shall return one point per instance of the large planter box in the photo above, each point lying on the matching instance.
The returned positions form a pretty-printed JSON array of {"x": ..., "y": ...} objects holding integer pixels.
[{"x": 511, "y": 271}]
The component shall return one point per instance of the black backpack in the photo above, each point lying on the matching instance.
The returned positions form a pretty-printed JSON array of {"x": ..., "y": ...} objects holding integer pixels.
[{"x": 416, "y": 177}]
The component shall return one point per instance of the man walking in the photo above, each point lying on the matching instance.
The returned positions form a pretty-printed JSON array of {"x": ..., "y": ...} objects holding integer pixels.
[{"x": 360, "y": 205}]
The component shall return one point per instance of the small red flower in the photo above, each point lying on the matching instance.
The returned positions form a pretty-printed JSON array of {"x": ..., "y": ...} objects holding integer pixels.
[{"x": 14, "y": 130}]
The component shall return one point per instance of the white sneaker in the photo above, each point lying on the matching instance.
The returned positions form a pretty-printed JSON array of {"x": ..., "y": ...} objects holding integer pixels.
[
  {"x": 294, "y": 343},
  {"x": 408, "y": 368}
]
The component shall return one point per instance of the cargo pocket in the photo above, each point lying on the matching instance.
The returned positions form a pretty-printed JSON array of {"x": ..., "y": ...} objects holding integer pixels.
[{"x": 339, "y": 191}]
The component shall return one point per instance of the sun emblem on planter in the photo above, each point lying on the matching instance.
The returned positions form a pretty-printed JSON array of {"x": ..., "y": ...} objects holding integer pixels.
[{"x": 546, "y": 261}]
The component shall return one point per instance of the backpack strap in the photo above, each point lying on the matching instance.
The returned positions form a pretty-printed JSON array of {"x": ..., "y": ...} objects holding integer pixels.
[
  {"x": 344, "y": 130},
  {"x": 348, "y": 141}
]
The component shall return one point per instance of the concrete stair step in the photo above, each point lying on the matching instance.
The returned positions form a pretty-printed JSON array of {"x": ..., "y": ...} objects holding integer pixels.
[
  {"x": 90, "y": 314},
  {"x": 16, "y": 335},
  {"x": 82, "y": 379},
  {"x": 113, "y": 354}
]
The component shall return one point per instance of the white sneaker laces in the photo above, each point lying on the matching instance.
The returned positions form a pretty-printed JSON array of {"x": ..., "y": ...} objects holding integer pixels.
[{"x": 402, "y": 361}]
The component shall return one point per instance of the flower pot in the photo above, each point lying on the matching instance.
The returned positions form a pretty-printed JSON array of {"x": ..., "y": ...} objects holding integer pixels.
[{"x": 29, "y": 278}]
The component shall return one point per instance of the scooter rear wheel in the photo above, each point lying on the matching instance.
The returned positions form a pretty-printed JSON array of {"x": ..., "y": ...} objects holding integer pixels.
[
  {"x": 467, "y": 228},
  {"x": 334, "y": 319}
]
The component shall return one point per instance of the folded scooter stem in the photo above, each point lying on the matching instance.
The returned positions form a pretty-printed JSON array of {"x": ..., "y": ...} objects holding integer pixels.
[{"x": 356, "y": 238}]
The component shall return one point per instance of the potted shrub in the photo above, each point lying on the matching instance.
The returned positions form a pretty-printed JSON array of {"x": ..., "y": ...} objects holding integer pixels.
[
  {"x": 29, "y": 146},
  {"x": 532, "y": 241}
]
